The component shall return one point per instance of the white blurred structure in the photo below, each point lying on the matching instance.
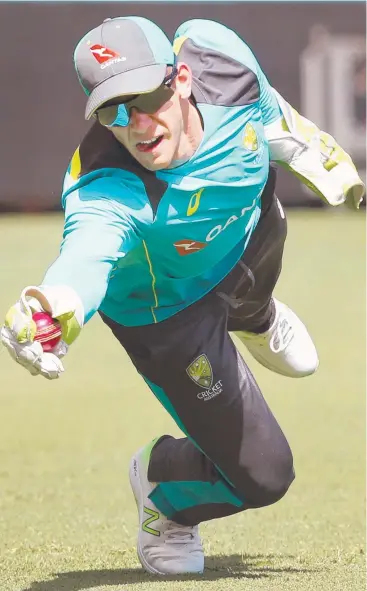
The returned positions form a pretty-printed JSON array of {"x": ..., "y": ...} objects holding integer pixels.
[{"x": 333, "y": 88}]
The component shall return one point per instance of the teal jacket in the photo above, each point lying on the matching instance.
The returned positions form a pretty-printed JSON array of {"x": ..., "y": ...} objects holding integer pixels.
[{"x": 139, "y": 245}]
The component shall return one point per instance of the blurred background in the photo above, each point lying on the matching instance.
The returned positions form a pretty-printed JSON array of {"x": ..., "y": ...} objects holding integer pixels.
[
  {"x": 313, "y": 53},
  {"x": 67, "y": 515}
]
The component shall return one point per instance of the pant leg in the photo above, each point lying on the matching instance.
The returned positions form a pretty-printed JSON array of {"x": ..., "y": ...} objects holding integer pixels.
[
  {"x": 235, "y": 455},
  {"x": 249, "y": 287}
]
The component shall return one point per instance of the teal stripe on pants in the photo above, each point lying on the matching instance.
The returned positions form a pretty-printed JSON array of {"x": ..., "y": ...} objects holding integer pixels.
[{"x": 172, "y": 497}]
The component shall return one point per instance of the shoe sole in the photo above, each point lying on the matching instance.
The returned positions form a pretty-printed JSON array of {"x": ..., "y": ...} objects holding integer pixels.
[{"x": 138, "y": 495}]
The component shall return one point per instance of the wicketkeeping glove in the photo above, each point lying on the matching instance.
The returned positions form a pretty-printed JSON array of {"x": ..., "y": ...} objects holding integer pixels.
[
  {"x": 18, "y": 332},
  {"x": 314, "y": 157}
]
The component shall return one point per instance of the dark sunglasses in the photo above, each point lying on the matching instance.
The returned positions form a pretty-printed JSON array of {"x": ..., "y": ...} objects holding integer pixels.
[{"x": 117, "y": 114}]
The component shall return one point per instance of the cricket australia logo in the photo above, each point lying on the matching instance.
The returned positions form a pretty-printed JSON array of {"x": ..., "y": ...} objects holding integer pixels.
[
  {"x": 200, "y": 371},
  {"x": 250, "y": 138}
]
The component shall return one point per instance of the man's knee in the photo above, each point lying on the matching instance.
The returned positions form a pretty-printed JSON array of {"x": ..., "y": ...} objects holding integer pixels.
[
  {"x": 274, "y": 489},
  {"x": 267, "y": 482}
]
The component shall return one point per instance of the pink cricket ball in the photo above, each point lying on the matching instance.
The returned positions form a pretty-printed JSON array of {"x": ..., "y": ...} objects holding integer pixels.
[{"x": 48, "y": 331}]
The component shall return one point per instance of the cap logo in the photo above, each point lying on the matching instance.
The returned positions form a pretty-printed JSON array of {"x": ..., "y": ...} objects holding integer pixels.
[{"x": 105, "y": 55}]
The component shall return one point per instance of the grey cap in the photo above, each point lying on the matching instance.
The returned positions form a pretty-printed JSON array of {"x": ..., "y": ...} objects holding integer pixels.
[{"x": 122, "y": 56}]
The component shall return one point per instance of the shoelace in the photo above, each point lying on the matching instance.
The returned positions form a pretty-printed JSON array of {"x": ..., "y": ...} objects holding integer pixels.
[
  {"x": 282, "y": 336},
  {"x": 179, "y": 534}
]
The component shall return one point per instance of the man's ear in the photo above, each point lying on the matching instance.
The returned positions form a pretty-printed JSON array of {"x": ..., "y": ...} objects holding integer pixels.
[{"x": 183, "y": 81}]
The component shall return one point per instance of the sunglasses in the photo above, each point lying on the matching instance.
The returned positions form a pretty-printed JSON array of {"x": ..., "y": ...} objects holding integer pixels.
[{"x": 117, "y": 113}]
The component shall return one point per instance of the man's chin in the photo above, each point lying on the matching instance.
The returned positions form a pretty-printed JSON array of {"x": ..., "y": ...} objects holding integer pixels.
[{"x": 155, "y": 164}]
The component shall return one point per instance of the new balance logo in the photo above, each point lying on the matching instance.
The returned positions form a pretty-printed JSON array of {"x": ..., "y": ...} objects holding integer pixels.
[
  {"x": 185, "y": 247},
  {"x": 153, "y": 516}
]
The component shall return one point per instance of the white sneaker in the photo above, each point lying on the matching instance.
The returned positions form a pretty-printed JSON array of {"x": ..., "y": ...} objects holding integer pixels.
[
  {"x": 164, "y": 547},
  {"x": 285, "y": 348}
]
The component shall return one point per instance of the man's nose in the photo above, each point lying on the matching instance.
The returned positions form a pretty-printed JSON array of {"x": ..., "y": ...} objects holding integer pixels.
[{"x": 139, "y": 121}]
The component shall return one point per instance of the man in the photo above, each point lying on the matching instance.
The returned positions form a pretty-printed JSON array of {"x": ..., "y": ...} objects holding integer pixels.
[{"x": 173, "y": 233}]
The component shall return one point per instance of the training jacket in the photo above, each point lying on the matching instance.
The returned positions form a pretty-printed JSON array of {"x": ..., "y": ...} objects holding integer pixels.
[{"x": 139, "y": 245}]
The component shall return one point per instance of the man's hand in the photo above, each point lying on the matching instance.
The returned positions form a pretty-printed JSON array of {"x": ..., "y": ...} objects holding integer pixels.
[
  {"x": 314, "y": 157},
  {"x": 31, "y": 355},
  {"x": 19, "y": 329}
]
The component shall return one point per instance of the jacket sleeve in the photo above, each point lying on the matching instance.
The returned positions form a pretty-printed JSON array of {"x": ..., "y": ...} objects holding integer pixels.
[
  {"x": 222, "y": 40},
  {"x": 98, "y": 232},
  {"x": 314, "y": 157}
]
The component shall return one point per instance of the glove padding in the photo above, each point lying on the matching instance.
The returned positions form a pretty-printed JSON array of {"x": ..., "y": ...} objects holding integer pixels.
[
  {"x": 314, "y": 157},
  {"x": 18, "y": 334},
  {"x": 31, "y": 355}
]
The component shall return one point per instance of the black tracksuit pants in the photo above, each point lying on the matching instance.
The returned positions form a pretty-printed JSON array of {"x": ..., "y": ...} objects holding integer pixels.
[{"x": 235, "y": 455}]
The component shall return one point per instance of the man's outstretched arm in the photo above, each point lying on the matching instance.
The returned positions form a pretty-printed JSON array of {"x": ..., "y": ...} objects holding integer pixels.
[{"x": 97, "y": 233}]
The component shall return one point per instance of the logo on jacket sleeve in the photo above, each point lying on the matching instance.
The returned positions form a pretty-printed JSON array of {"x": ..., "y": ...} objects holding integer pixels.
[
  {"x": 185, "y": 247},
  {"x": 250, "y": 138}
]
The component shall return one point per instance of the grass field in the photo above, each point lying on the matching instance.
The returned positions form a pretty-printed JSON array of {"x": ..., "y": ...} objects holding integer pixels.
[{"x": 67, "y": 515}]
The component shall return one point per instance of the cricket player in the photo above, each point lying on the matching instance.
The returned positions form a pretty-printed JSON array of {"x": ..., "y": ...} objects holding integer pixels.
[{"x": 174, "y": 235}]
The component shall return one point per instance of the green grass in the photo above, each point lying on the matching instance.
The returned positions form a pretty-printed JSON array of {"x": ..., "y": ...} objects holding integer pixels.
[{"x": 67, "y": 516}]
